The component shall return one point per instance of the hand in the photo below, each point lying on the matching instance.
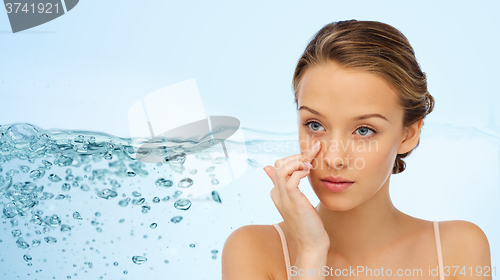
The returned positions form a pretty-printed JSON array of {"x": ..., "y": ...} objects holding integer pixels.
[{"x": 296, "y": 210}]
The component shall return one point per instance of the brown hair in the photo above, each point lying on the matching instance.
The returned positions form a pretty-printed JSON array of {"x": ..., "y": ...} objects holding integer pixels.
[{"x": 378, "y": 48}]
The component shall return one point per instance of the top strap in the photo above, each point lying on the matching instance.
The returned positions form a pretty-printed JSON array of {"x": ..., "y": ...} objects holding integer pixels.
[
  {"x": 439, "y": 252},
  {"x": 285, "y": 250}
]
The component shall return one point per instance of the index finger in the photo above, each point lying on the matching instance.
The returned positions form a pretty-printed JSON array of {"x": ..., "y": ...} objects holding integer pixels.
[{"x": 312, "y": 152}]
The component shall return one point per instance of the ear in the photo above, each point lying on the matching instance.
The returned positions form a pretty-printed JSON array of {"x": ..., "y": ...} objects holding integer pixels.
[{"x": 411, "y": 135}]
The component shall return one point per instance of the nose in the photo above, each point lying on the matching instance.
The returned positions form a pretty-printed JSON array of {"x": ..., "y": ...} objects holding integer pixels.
[{"x": 336, "y": 152}]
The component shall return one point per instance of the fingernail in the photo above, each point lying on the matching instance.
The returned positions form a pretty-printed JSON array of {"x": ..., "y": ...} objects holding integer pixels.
[
  {"x": 316, "y": 145},
  {"x": 265, "y": 167},
  {"x": 308, "y": 164}
]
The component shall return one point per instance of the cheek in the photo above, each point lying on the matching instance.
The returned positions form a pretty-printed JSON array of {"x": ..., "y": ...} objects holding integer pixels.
[
  {"x": 376, "y": 155},
  {"x": 305, "y": 141}
]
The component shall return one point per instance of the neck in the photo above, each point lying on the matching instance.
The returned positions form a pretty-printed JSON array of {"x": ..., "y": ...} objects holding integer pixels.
[{"x": 361, "y": 232}]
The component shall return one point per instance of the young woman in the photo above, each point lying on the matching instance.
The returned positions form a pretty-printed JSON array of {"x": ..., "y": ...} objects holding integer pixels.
[{"x": 361, "y": 100}]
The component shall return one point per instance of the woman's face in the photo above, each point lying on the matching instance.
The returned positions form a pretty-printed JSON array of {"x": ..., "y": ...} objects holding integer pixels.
[{"x": 331, "y": 102}]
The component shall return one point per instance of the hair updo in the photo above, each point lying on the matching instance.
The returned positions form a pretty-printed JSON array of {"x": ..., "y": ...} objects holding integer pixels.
[{"x": 378, "y": 48}]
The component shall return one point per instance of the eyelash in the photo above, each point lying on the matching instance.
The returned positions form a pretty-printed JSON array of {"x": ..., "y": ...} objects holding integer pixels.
[{"x": 365, "y": 126}]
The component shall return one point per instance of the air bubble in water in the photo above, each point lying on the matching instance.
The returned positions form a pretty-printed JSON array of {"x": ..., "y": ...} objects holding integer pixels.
[
  {"x": 210, "y": 168},
  {"x": 54, "y": 221},
  {"x": 156, "y": 199},
  {"x": 10, "y": 210},
  {"x": 27, "y": 258},
  {"x": 63, "y": 161},
  {"x": 145, "y": 209},
  {"x": 153, "y": 225},
  {"x": 182, "y": 204},
  {"x": 24, "y": 168},
  {"x": 139, "y": 259},
  {"x": 162, "y": 182},
  {"x": 21, "y": 243},
  {"x": 136, "y": 194},
  {"x": 35, "y": 242},
  {"x": 50, "y": 239},
  {"x": 14, "y": 222},
  {"x": 177, "y": 194},
  {"x": 54, "y": 178},
  {"x": 185, "y": 183},
  {"x": 176, "y": 219},
  {"x": 216, "y": 197},
  {"x": 77, "y": 216},
  {"x": 177, "y": 159},
  {"x": 47, "y": 164},
  {"x": 124, "y": 202},
  {"x": 192, "y": 245},
  {"x": 46, "y": 196},
  {"x": 66, "y": 187},
  {"x": 37, "y": 173},
  {"x": 21, "y": 134},
  {"x": 65, "y": 228},
  {"x": 138, "y": 201},
  {"x": 108, "y": 156},
  {"x": 106, "y": 193}
]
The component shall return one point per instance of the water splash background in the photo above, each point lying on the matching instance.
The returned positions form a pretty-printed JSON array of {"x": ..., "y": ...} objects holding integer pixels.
[{"x": 81, "y": 75}]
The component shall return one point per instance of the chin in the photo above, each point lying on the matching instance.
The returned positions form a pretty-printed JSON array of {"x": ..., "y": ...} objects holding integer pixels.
[{"x": 334, "y": 202}]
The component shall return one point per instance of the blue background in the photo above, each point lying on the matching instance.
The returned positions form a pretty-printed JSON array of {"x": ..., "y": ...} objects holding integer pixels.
[{"x": 84, "y": 70}]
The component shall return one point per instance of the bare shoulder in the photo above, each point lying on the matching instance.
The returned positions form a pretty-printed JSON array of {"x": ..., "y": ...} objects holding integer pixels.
[
  {"x": 244, "y": 253},
  {"x": 465, "y": 245}
]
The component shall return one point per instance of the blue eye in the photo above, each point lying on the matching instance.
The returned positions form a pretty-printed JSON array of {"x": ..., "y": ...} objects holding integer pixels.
[
  {"x": 315, "y": 124},
  {"x": 364, "y": 130}
]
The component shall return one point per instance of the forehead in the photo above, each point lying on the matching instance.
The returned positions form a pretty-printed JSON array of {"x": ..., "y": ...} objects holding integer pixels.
[{"x": 334, "y": 90}]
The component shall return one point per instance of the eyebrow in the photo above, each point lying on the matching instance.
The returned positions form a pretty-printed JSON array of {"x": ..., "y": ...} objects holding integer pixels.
[{"x": 355, "y": 118}]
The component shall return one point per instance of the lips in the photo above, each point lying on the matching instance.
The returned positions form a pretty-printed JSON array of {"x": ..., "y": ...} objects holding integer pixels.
[
  {"x": 336, "y": 179},
  {"x": 336, "y": 187}
]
